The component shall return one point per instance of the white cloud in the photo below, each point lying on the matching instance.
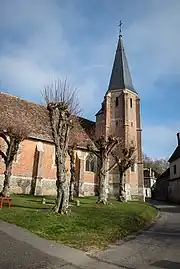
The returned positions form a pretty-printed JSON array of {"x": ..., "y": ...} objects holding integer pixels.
[
  {"x": 153, "y": 43},
  {"x": 159, "y": 141},
  {"x": 45, "y": 54},
  {"x": 39, "y": 48}
]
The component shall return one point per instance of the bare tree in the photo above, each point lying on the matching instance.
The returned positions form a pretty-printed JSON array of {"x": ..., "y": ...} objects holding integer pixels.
[
  {"x": 105, "y": 148},
  {"x": 62, "y": 105},
  {"x": 71, "y": 152},
  {"x": 158, "y": 165},
  {"x": 124, "y": 158},
  {"x": 13, "y": 132}
]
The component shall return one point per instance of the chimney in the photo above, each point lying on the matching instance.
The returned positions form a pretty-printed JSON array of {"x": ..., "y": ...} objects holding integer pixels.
[{"x": 178, "y": 138}]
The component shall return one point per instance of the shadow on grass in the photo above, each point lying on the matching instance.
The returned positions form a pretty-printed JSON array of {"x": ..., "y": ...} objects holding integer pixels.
[
  {"x": 33, "y": 196},
  {"x": 34, "y": 201},
  {"x": 40, "y": 201},
  {"x": 31, "y": 207}
]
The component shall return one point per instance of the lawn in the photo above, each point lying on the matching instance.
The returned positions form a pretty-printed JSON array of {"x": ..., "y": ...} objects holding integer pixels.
[{"x": 89, "y": 226}]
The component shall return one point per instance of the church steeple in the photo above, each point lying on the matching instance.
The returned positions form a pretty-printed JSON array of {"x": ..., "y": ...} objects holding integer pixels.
[{"x": 120, "y": 76}]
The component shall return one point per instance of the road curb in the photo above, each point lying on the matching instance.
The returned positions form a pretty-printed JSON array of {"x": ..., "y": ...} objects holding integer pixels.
[{"x": 145, "y": 228}]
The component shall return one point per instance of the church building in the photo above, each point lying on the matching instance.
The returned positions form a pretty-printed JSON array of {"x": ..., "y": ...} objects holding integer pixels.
[{"x": 34, "y": 167}]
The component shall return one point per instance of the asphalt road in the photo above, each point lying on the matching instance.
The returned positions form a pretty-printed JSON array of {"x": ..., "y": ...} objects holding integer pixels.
[
  {"x": 158, "y": 247},
  {"x": 15, "y": 254}
]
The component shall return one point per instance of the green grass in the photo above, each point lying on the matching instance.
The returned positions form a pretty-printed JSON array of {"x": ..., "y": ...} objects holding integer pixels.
[{"x": 89, "y": 226}]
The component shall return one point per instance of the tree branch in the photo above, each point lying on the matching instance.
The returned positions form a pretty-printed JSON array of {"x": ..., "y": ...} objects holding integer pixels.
[
  {"x": 90, "y": 148},
  {"x": 111, "y": 146},
  {"x": 3, "y": 155},
  {"x": 5, "y": 138},
  {"x": 111, "y": 167}
]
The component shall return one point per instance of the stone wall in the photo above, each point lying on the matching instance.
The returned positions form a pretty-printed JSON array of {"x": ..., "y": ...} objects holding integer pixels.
[
  {"x": 23, "y": 185},
  {"x": 160, "y": 191},
  {"x": 132, "y": 190},
  {"x": 174, "y": 191}
]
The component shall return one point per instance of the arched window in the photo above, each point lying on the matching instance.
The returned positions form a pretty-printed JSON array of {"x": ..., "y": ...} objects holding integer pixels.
[{"x": 91, "y": 163}]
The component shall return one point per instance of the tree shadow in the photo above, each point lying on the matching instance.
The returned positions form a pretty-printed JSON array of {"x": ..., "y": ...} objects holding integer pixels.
[
  {"x": 165, "y": 206},
  {"x": 34, "y": 172},
  {"x": 34, "y": 201},
  {"x": 165, "y": 264},
  {"x": 171, "y": 209},
  {"x": 40, "y": 202},
  {"x": 31, "y": 207}
]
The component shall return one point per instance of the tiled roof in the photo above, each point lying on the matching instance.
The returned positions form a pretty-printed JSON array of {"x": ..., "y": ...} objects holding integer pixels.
[{"x": 37, "y": 118}]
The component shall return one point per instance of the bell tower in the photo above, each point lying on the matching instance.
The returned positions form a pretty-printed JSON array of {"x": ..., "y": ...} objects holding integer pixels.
[{"x": 120, "y": 116}]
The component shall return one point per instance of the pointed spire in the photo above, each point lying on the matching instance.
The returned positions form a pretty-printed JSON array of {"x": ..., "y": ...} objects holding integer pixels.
[{"x": 120, "y": 76}]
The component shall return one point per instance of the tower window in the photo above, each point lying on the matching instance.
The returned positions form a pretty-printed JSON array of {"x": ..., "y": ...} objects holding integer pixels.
[
  {"x": 116, "y": 122},
  {"x": 131, "y": 123},
  {"x": 130, "y": 102},
  {"x": 117, "y": 101},
  {"x": 174, "y": 168}
]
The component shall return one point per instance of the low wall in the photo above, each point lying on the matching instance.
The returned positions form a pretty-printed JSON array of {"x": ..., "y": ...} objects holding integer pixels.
[
  {"x": 131, "y": 192},
  {"x": 25, "y": 185}
]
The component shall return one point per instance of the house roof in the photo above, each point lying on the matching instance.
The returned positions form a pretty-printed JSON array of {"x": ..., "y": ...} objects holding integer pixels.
[
  {"x": 175, "y": 155},
  {"x": 37, "y": 117},
  {"x": 120, "y": 76},
  {"x": 101, "y": 111}
]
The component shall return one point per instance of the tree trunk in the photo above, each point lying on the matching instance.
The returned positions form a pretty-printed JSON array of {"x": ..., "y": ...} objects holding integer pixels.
[
  {"x": 7, "y": 174},
  {"x": 102, "y": 199},
  {"x": 12, "y": 150},
  {"x": 62, "y": 200},
  {"x": 121, "y": 197},
  {"x": 60, "y": 123}
]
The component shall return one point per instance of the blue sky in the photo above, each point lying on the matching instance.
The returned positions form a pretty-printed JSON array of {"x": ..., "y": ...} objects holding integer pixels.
[{"x": 42, "y": 40}]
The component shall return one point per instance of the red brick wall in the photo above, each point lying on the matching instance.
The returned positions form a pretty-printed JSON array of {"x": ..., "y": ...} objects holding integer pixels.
[
  {"x": 90, "y": 177},
  {"x": 24, "y": 165},
  {"x": 25, "y": 162}
]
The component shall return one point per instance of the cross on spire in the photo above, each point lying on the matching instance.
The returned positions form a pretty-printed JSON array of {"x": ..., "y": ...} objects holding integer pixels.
[
  {"x": 120, "y": 28},
  {"x": 120, "y": 76}
]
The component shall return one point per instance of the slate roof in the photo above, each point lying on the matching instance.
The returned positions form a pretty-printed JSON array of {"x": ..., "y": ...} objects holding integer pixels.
[
  {"x": 101, "y": 110},
  {"x": 37, "y": 117},
  {"x": 175, "y": 155},
  {"x": 120, "y": 76}
]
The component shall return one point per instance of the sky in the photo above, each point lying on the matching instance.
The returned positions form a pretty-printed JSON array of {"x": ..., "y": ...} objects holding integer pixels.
[{"x": 43, "y": 40}]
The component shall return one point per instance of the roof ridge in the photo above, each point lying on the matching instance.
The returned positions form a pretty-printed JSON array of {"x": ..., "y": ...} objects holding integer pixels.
[
  {"x": 86, "y": 119},
  {"x": 34, "y": 103},
  {"x": 22, "y": 99},
  {"x": 36, "y": 116}
]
